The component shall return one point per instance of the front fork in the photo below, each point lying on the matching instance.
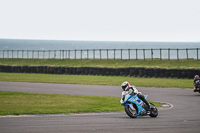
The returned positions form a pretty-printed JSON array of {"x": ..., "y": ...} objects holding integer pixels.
[{"x": 131, "y": 106}]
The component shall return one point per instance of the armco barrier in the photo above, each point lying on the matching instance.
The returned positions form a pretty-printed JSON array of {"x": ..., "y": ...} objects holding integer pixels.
[{"x": 136, "y": 72}]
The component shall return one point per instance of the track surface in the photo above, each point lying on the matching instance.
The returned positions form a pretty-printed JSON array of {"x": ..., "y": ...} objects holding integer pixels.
[{"x": 182, "y": 118}]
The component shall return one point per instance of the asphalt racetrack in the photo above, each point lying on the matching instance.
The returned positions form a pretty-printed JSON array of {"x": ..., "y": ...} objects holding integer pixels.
[{"x": 183, "y": 117}]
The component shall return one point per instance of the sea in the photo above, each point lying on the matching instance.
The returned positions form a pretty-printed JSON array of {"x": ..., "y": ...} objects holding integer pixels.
[
  {"x": 26, "y": 44},
  {"x": 65, "y": 45}
]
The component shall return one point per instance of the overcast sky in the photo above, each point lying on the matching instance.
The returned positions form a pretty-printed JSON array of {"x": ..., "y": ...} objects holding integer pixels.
[{"x": 105, "y": 20}]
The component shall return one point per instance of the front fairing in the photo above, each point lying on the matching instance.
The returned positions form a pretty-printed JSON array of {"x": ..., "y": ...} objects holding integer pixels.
[
  {"x": 126, "y": 101},
  {"x": 132, "y": 99}
]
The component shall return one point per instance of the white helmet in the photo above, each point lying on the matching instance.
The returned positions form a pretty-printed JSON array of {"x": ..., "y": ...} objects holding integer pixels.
[{"x": 125, "y": 85}]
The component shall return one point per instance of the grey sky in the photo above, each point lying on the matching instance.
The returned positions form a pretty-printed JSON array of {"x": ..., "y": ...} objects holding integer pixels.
[{"x": 113, "y": 20}]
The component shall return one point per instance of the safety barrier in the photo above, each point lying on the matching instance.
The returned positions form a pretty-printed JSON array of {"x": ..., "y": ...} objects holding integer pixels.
[{"x": 136, "y": 72}]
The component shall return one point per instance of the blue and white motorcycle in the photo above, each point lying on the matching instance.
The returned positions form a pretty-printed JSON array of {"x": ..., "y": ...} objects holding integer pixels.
[{"x": 135, "y": 107}]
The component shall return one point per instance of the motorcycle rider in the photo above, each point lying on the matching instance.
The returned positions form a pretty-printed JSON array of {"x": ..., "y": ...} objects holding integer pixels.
[
  {"x": 196, "y": 79},
  {"x": 126, "y": 88}
]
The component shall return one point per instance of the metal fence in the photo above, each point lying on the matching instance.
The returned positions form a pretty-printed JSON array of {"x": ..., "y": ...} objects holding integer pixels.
[{"x": 188, "y": 53}]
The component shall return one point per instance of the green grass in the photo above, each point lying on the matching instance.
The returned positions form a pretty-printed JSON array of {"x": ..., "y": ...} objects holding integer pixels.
[
  {"x": 111, "y": 63},
  {"x": 97, "y": 80},
  {"x": 16, "y": 103}
]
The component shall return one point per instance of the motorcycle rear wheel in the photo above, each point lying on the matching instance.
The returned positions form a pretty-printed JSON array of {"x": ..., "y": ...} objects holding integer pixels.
[
  {"x": 131, "y": 113},
  {"x": 154, "y": 111}
]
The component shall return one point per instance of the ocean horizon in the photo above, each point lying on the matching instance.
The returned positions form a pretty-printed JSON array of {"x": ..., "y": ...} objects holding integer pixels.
[{"x": 29, "y": 44}]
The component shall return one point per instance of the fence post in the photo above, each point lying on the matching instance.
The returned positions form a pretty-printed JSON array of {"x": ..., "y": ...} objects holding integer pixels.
[
  {"x": 136, "y": 54},
  {"x": 197, "y": 54},
  {"x": 23, "y": 53},
  {"x": 100, "y": 53},
  {"x": 69, "y": 53},
  {"x": 107, "y": 53},
  {"x": 114, "y": 54},
  {"x": 7, "y": 53},
  {"x": 75, "y": 53},
  {"x": 168, "y": 54},
  {"x": 151, "y": 54},
  {"x": 129, "y": 56},
  {"x": 187, "y": 52},
  {"x": 3, "y": 53},
  {"x": 81, "y": 54},
  {"x": 121, "y": 54},
  {"x": 144, "y": 53},
  {"x": 87, "y": 54},
  {"x": 93, "y": 53},
  {"x": 177, "y": 54},
  {"x": 160, "y": 54},
  {"x": 54, "y": 54}
]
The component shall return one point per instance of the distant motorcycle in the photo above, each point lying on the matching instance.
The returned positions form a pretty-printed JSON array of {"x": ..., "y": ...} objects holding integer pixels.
[
  {"x": 197, "y": 84},
  {"x": 135, "y": 107}
]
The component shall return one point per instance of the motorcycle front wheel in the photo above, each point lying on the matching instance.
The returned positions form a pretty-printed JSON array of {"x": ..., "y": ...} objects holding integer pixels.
[{"x": 131, "y": 112}]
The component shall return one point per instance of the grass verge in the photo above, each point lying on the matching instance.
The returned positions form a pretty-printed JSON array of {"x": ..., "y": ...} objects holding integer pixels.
[
  {"x": 16, "y": 103},
  {"x": 97, "y": 80},
  {"x": 110, "y": 63}
]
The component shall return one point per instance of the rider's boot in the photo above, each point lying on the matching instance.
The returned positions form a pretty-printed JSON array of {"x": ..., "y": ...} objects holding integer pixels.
[{"x": 148, "y": 107}]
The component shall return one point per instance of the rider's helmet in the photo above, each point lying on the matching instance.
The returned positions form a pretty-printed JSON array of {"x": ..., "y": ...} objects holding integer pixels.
[
  {"x": 125, "y": 85},
  {"x": 196, "y": 77}
]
